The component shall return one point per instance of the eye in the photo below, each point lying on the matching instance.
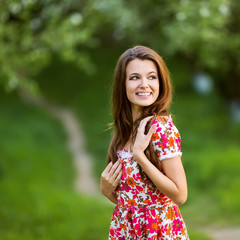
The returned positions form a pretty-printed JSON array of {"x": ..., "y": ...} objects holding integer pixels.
[
  {"x": 152, "y": 77},
  {"x": 134, "y": 78}
]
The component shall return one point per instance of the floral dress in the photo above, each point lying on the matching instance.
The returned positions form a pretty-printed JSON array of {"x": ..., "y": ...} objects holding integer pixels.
[{"x": 143, "y": 212}]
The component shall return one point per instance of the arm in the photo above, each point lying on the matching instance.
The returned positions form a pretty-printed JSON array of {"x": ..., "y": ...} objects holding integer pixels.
[
  {"x": 173, "y": 183},
  {"x": 110, "y": 179}
]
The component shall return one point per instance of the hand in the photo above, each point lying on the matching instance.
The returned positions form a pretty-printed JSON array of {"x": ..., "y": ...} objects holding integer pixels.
[
  {"x": 142, "y": 140},
  {"x": 110, "y": 178}
]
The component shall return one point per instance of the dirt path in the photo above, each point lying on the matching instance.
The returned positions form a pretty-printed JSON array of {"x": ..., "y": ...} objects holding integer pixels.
[
  {"x": 223, "y": 233},
  {"x": 84, "y": 181}
]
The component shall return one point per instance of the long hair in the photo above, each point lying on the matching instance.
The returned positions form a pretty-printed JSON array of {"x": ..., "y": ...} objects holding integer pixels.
[{"x": 124, "y": 127}]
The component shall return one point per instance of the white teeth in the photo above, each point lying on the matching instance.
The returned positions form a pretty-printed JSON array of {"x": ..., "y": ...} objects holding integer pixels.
[{"x": 143, "y": 94}]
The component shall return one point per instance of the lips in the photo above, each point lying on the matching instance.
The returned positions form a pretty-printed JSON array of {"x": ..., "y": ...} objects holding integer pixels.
[{"x": 144, "y": 93}]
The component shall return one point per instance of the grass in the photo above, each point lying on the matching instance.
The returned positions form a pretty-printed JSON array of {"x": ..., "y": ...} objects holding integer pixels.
[
  {"x": 211, "y": 154},
  {"x": 36, "y": 181}
]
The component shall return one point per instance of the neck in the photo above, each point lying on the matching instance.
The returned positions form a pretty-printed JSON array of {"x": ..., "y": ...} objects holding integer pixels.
[{"x": 136, "y": 113}]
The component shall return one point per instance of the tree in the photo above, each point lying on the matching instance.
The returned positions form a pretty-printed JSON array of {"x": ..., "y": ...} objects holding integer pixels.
[
  {"x": 32, "y": 32},
  {"x": 208, "y": 33},
  {"x": 205, "y": 32}
]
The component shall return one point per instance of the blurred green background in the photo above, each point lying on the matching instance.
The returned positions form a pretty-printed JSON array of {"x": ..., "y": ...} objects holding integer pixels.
[{"x": 66, "y": 51}]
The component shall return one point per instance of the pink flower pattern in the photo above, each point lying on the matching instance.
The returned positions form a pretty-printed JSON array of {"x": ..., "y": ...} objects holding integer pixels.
[{"x": 142, "y": 210}]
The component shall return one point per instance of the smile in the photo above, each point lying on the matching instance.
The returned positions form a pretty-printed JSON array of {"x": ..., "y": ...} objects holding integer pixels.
[{"x": 144, "y": 94}]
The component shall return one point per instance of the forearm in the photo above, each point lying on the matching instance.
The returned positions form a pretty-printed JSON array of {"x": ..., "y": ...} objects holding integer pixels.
[{"x": 161, "y": 181}]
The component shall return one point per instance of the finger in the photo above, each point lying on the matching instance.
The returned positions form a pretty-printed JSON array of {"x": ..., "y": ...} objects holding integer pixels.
[
  {"x": 118, "y": 178},
  {"x": 107, "y": 169},
  {"x": 146, "y": 119},
  {"x": 144, "y": 122},
  {"x": 118, "y": 170},
  {"x": 114, "y": 167},
  {"x": 152, "y": 130}
]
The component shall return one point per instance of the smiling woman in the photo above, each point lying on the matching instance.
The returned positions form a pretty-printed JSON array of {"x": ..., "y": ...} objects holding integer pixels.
[
  {"x": 142, "y": 84},
  {"x": 144, "y": 175}
]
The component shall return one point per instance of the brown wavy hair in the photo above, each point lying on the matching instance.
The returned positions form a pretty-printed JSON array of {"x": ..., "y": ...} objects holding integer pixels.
[{"x": 124, "y": 127}]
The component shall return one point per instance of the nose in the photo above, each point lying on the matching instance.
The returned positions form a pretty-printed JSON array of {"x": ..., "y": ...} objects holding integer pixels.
[{"x": 143, "y": 83}]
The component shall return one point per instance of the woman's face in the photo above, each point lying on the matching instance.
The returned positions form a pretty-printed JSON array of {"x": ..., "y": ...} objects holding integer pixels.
[{"x": 142, "y": 83}]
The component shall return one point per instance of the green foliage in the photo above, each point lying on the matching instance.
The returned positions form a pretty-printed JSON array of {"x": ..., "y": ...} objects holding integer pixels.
[
  {"x": 34, "y": 32},
  {"x": 208, "y": 35}
]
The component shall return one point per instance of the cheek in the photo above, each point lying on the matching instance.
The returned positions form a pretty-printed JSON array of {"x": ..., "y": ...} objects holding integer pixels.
[
  {"x": 130, "y": 89},
  {"x": 156, "y": 88}
]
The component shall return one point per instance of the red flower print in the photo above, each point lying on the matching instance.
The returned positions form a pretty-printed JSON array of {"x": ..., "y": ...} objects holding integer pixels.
[
  {"x": 158, "y": 192},
  {"x": 131, "y": 181},
  {"x": 129, "y": 215},
  {"x": 132, "y": 202},
  {"x": 183, "y": 231},
  {"x": 162, "y": 119},
  {"x": 170, "y": 214},
  {"x": 146, "y": 201},
  {"x": 164, "y": 152},
  {"x": 152, "y": 225},
  {"x": 123, "y": 226},
  {"x": 178, "y": 141},
  {"x": 164, "y": 228},
  {"x": 168, "y": 232},
  {"x": 139, "y": 188},
  {"x": 153, "y": 213},
  {"x": 111, "y": 231},
  {"x": 150, "y": 188},
  {"x": 164, "y": 140},
  {"x": 177, "y": 211},
  {"x": 154, "y": 197},
  {"x": 143, "y": 211},
  {"x": 171, "y": 142},
  {"x": 177, "y": 135},
  {"x": 155, "y": 137},
  {"x": 136, "y": 176},
  {"x": 137, "y": 228},
  {"x": 121, "y": 160},
  {"x": 154, "y": 122},
  {"x": 128, "y": 170},
  {"x": 177, "y": 225},
  {"x": 126, "y": 187}
]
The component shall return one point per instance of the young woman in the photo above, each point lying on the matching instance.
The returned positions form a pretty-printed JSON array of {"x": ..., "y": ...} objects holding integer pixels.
[{"x": 144, "y": 175}]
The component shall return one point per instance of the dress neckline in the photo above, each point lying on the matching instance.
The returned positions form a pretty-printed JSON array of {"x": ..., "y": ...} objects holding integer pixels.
[{"x": 125, "y": 150}]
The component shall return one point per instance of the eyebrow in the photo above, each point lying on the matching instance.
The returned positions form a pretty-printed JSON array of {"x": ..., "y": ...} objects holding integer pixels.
[{"x": 139, "y": 74}]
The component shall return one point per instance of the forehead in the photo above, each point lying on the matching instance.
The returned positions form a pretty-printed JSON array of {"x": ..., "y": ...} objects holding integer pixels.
[{"x": 140, "y": 66}]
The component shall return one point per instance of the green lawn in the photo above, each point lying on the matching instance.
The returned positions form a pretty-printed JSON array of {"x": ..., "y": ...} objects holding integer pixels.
[{"x": 36, "y": 181}]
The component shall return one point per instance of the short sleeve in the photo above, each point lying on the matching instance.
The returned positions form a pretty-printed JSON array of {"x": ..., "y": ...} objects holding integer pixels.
[{"x": 166, "y": 138}]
